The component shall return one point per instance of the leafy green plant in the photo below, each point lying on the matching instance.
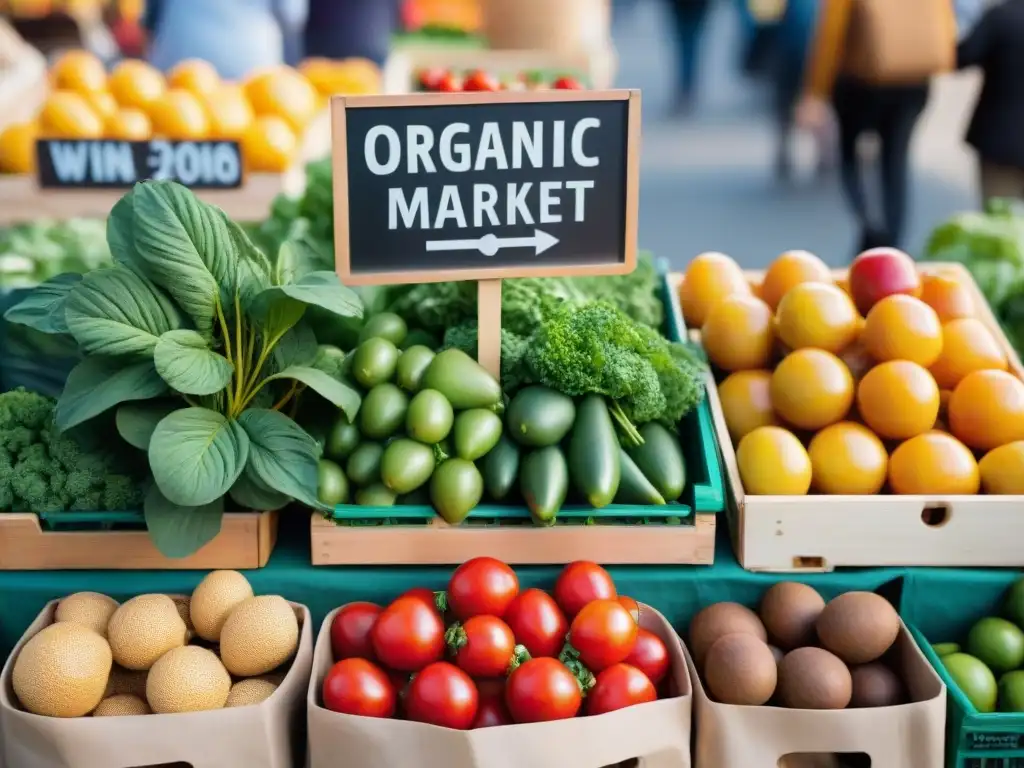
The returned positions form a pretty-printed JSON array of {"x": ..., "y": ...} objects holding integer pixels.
[{"x": 200, "y": 343}]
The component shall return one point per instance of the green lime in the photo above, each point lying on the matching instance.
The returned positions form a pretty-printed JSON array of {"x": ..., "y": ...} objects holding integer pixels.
[
  {"x": 1013, "y": 603},
  {"x": 944, "y": 649},
  {"x": 974, "y": 679},
  {"x": 998, "y": 643},
  {"x": 1011, "y": 691},
  {"x": 332, "y": 485}
]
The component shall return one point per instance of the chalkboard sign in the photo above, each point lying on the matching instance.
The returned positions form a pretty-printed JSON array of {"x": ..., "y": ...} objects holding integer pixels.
[
  {"x": 110, "y": 164},
  {"x": 480, "y": 186}
]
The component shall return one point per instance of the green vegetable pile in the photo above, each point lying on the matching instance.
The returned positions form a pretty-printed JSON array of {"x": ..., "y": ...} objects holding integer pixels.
[
  {"x": 33, "y": 252},
  {"x": 45, "y": 470}
]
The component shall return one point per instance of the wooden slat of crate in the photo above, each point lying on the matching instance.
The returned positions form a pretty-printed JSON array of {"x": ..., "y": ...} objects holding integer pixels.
[
  {"x": 246, "y": 540},
  {"x": 820, "y": 533}
]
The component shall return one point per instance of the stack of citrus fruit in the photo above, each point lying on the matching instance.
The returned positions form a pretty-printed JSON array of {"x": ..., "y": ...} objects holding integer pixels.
[{"x": 888, "y": 380}]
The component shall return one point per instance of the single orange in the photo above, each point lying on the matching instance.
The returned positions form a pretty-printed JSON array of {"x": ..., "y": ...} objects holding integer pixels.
[
  {"x": 738, "y": 334},
  {"x": 67, "y": 115},
  {"x": 987, "y": 409},
  {"x": 18, "y": 148},
  {"x": 178, "y": 114},
  {"x": 967, "y": 346},
  {"x": 789, "y": 270},
  {"x": 746, "y": 402},
  {"x": 933, "y": 464},
  {"x": 286, "y": 94},
  {"x": 135, "y": 83},
  {"x": 78, "y": 71},
  {"x": 817, "y": 315},
  {"x": 1002, "y": 469},
  {"x": 269, "y": 145},
  {"x": 708, "y": 279},
  {"x": 900, "y": 327},
  {"x": 949, "y": 297},
  {"x": 898, "y": 400},
  {"x": 773, "y": 462},
  {"x": 811, "y": 388},
  {"x": 229, "y": 112},
  {"x": 128, "y": 125},
  {"x": 847, "y": 458},
  {"x": 102, "y": 103},
  {"x": 195, "y": 75}
]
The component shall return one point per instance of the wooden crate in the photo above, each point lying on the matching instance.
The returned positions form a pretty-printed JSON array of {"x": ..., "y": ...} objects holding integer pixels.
[
  {"x": 817, "y": 533},
  {"x": 246, "y": 540}
]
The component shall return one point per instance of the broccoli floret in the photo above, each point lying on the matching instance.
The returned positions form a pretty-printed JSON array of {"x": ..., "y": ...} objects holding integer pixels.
[{"x": 513, "y": 349}]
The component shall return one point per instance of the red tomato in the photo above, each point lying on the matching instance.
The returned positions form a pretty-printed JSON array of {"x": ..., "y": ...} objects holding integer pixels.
[
  {"x": 450, "y": 84},
  {"x": 541, "y": 690},
  {"x": 359, "y": 687},
  {"x": 632, "y": 606},
  {"x": 581, "y": 582},
  {"x": 442, "y": 694},
  {"x": 481, "y": 81},
  {"x": 350, "y": 631},
  {"x": 426, "y": 595},
  {"x": 649, "y": 655},
  {"x": 567, "y": 84},
  {"x": 430, "y": 79},
  {"x": 603, "y": 633},
  {"x": 492, "y": 710},
  {"x": 484, "y": 646},
  {"x": 482, "y": 586},
  {"x": 408, "y": 635},
  {"x": 537, "y": 622},
  {"x": 621, "y": 685}
]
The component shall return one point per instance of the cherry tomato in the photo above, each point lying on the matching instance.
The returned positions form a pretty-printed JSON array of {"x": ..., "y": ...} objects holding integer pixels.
[
  {"x": 603, "y": 633},
  {"x": 442, "y": 694},
  {"x": 632, "y": 606},
  {"x": 450, "y": 84},
  {"x": 491, "y": 710},
  {"x": 567, "y": 84},
  {"x": 649, "y": 655},
  {"x": 350, "y": 631},
  {"x": 537, "y": 622},
  {"x": 408, "y": 635},
  {"x": 483, "y": 646},
  {"x": 482, "y": 586},
  {"x": 430, "y": 79},
  {"x": 541, "y": 690},
  {"x": 619, "y": 686},
  {"x": 359, "y": 687},
  {"x": 481, "y": 81},
  {"x": 580, "y": 583}
]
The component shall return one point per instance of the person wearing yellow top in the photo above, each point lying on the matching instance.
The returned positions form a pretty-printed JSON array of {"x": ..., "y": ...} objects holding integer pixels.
[{"x": 873, "y": 60}]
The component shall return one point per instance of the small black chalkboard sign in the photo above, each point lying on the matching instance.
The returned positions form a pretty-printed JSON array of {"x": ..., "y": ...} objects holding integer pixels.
[{"x": 113, "y": 164}]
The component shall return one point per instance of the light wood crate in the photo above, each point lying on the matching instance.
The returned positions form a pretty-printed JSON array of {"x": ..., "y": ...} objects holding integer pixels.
[
  {"x": 246, "y": 540},
  {"x": 816, "y": 533}
]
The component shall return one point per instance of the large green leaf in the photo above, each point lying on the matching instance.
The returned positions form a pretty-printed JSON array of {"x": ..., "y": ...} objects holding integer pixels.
[
  {"x": 282, "y": 455},
  {"x": 250, "y": 494},
  {"x": 325, "y": 385},
  {"x": 297, "y": 347},
  {"x": 179, "y": 531},
  {"x": 196, "y": 455},
  {"x": 319, "y": 289},
  {"x": 252, "y": 275},
  {"x": 185, "y": 361},
  {"x": 43, "y": 309},
  {"x": 136, "y": 421},
  {"x": 121, "y": 231},
  {"x": 97, "y": 384},
  {"x": 297, "y": 257},
  {"x": 114, "y": 311}
]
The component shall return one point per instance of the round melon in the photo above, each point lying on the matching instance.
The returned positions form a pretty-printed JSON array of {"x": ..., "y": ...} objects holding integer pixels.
[
  {"x": 90, "y": 609},
  {"x": 253, "y": 690},
  {"x": 144, "y": 629},
  {"x": 187, "y": 679},
  {"x": 62, "y": 671},
  {"x": 214, "y": 599},
  {"x": 122, "y": 705},
  {"x": 260, "y": 635}
]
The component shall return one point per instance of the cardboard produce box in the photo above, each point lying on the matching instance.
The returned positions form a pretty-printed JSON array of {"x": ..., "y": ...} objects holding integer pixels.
[
  {"x": 258, "y": 736},
  {"x": 658, "y": 733}
]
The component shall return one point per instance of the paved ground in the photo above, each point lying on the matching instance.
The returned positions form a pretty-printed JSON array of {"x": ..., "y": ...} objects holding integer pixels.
[{"x": 707, "y": 179}]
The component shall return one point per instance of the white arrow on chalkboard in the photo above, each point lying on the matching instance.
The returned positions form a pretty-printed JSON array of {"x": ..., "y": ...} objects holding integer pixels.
[{"x": 489, "y": 245}]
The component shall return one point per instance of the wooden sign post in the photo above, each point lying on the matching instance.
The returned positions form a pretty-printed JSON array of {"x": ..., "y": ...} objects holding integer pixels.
[{"x": 485, "y": 186}]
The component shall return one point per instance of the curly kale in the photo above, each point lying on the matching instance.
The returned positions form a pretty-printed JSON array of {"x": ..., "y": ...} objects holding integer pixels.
[
  {"x": 44, "y": 470},
  {"x": 513, "y": 348},
  {"x": 638, "y": 293}
]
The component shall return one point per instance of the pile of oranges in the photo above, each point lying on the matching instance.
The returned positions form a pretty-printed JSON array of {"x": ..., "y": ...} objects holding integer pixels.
[
  {"x": 915, "y": 397},
  {"x": 268, "y": 113}
]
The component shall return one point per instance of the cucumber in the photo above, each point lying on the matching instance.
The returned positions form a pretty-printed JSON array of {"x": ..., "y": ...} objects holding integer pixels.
[
  {"x": 634, "y": 488},
  {"x": 660, "y": 458},
  {"x": 594, "y": 453},
  {"x": 500, "y": 468},
  {"x": 538, "y": 417},
  {"x": 544, "y": 481}
]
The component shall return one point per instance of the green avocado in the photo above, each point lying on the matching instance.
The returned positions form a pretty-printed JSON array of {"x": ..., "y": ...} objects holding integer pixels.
[{"x": 461, "y": 379}]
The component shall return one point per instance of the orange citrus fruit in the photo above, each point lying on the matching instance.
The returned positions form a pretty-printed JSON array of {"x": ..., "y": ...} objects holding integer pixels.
[
  {"x": 817, "y": 315},
  {"x": 746, "y": 402},
  {"x": 898, "y": 400},
  {"x": 900, "y": 327},
  {"x": 351, "y": 76},
  {"x": 178, "y": 114},
  {"x": 102, "y": 103},
  {"x": 773, "y": 462},
  {"x": 1002, "y": 469},
  {"x": 933, "y": 464},
  {"x": 737, "y": 334},
  {"x": 67, "y": 115},
  {"x": 194, "y": 75},
  {"x": 708, "y": 279},
  {"x": 269, "y": 145},
  {"x": 286, "y": 94},
  {"x": 811, "y": 388},
  {"x": 229, "y": 112},
  {"x": 78, "y": 71},
  {"x": 950, "y": 298},
  {"x": 128, "y": 125},
  {"x": 136, "y": 84},
  {"x": 967, "y": 346},
  {"x": 789, "y": 270},
  {"x": 847, "y": 458},
  {"x": 18, "y": 148},
  {"x": 987, "y": 409}
]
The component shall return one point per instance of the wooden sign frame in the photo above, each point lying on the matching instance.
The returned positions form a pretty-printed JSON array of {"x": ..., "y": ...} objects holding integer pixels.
[{"x": 339, "y": 108}]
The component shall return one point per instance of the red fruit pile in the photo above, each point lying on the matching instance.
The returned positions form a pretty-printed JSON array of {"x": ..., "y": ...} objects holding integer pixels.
[
  {"x": 440, "y": 80},
  {"x": 512, "y": 657}
]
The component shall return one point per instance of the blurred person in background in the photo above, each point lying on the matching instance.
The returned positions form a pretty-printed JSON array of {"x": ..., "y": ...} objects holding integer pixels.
[
  {"x": 235, "y": 36},
  {"x": 996, "y": 46},
  {"x": 874, "y": 59},
  {"x": 690, "y": 19},
  {"x": 339, "y": 29}
]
